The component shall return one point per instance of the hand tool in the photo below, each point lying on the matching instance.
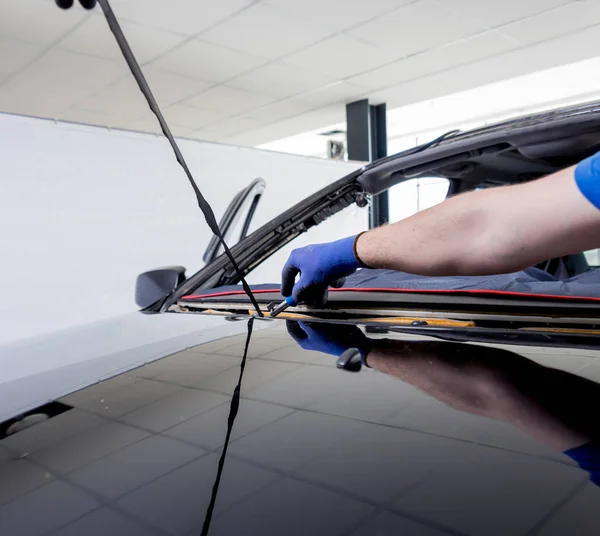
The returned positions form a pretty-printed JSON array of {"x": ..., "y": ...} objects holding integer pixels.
[{"x": 277, "y": 310}]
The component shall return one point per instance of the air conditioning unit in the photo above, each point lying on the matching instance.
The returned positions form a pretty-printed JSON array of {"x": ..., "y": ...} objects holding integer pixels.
[{"x": 336, "y": 150}]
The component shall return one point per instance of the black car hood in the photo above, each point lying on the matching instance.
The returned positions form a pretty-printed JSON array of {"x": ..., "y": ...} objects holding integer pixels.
[{"x": 438, "y": 438}]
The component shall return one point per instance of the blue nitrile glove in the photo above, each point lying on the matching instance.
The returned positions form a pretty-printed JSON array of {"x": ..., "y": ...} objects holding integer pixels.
[
  {"x": 332, "y": 339},
  {"x": 319, "y": 266},
  {"x": 588, "y": 458}
]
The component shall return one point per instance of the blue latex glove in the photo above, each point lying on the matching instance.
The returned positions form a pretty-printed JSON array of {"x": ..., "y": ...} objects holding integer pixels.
[
  {"x": 319, "y": 266},
  {"x": 588, "y": 458},
  {"x": 332, "y": 339}
]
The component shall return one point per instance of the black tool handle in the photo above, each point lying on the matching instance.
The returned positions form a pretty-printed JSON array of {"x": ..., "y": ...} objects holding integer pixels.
[{"x": 67, "y": 4}]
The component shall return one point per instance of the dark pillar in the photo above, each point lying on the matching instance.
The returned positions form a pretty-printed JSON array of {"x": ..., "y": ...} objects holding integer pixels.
[
  {"x": 358, "y": 130},
  {"x": 367, "y": 141}
]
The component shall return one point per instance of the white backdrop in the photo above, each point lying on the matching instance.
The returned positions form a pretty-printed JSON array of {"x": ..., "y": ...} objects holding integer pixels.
[{"x": 84, "y": 210}]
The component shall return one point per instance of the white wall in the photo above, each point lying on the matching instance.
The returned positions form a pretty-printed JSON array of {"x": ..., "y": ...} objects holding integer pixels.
[{"x": 84, "y": 210}]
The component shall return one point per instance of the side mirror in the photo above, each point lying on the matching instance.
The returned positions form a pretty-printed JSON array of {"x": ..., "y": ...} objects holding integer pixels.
[{"x": 157, "y": 284}]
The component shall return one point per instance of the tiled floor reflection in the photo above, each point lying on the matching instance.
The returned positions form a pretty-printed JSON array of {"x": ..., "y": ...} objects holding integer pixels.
[{"x": 314, "y": 450}]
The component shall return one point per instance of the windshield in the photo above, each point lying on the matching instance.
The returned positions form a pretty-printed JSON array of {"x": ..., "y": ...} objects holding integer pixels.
[
  {"x": 406, "y": 199},
  {"x": 573, "y": 277},
  {"x": 416, "y": 180}
]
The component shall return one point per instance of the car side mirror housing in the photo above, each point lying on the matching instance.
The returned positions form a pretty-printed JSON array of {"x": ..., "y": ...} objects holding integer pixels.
[{"x": 157, "y": 284}]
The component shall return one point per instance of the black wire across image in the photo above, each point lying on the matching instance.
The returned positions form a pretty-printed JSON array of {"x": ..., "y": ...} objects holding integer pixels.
[
  {"x": 208, "y": 215},
  {"x": 205, "y": 207},
  {"x": 233, "y": 411},
  {"x": 212, "y": 223}
]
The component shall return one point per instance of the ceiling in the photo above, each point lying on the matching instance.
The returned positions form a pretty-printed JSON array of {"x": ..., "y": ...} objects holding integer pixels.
[{"x": 248, "y": 72}]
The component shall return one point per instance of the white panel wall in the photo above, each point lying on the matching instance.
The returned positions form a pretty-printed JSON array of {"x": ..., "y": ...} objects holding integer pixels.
[{"x": 83, "y": 210}]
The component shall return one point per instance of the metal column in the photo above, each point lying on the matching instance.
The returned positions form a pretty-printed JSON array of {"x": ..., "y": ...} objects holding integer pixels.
[{"x": 367, "y": 141}]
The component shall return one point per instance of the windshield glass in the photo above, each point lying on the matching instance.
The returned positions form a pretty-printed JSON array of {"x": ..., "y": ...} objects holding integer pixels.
[
  {"x": 406, "y": 199},
  {"x": 572, "y": 277},
  {"x": 415, "y": 195}
]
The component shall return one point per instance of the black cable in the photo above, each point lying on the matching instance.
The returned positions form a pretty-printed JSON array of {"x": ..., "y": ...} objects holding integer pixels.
[
  {"x": 145, "y": 89},
  {"x": 233, "y": 411},
  {"x": 210, "y": 220},
  {"x": 436, "y": 141}
]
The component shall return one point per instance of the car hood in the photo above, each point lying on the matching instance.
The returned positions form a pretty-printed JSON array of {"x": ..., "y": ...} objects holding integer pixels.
[{"x": 436, "y": 438}]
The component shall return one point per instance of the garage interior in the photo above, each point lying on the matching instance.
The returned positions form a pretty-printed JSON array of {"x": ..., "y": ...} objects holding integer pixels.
[
  {"x": 270, "y": 103},
  {"x": 253, "y": 73},
  {"x": 272, "y": 89},
  {"x": 251, "y": 89}
]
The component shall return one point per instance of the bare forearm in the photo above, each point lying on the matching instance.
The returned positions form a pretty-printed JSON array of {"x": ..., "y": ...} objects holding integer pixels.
[
  {"x": 438, "y": 241},
  {"x": 487, "y": 232}
]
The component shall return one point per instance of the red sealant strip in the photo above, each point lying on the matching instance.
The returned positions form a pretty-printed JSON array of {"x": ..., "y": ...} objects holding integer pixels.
[{"x": 411, "y": 291}]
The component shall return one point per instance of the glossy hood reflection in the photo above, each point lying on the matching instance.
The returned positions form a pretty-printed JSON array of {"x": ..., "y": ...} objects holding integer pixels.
[
  {"x": 428, "y": 439},
  {"x": 553, "y": 406}
]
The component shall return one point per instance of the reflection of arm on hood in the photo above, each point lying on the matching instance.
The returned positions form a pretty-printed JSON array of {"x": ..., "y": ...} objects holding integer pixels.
[
  {"x": 550, "y": 404},
  {"x": 553, "y": 406}
]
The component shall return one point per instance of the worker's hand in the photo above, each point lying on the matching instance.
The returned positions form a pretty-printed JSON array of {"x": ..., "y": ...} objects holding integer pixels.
[
  {"x": 332, "y": 339},
  {"x": 319, "y": 266}
]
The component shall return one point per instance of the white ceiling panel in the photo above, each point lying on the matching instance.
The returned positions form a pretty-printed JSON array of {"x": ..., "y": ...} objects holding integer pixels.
[
  {"x": 280, "y": 80},
  {"x": 51, "y": 102},
  {"x": 229, "y": 101},
  {"x": 147, "y": 124},
  {"x": 236, "y": 125},
  {"x": 150, "y": 125},
  {"x": 559, "y": 21},
  {"x": 340, "y": 57},
  {"x": 492, "y": 13},
  {"x": 511, "y": 64},
  {"x": 280, "y": 110},
  {"x": 424, "y": 88},
  {"x": 16, "y": 54},
  {"x": 70, "y": 68},
  {"x": 309, "y": 121},
  {"x": 123, "y": 100},
  {"x": 416, "y": 27},
  {"x": 38, "y": 21},
  {"x": 182, "y": 132},
  {"x": 439, "y": 59},
  {"x": 65, "y": 64},
  {"x": 169, "y": 88},
  {"x": 207, "y": 135},
  {"x": 191, "y": 117},
  {"x": 561, "y": 51},
  {"x": 208, "y": 62},
  {"x": 336, "y": 15},
  {"x": 94, "y": 38},
  {"x": 265, "y": 32},
  {"x": 187, "y": 17},
  {"x": 334, "y": 93},
  {"x": 87, "y": 117}
]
